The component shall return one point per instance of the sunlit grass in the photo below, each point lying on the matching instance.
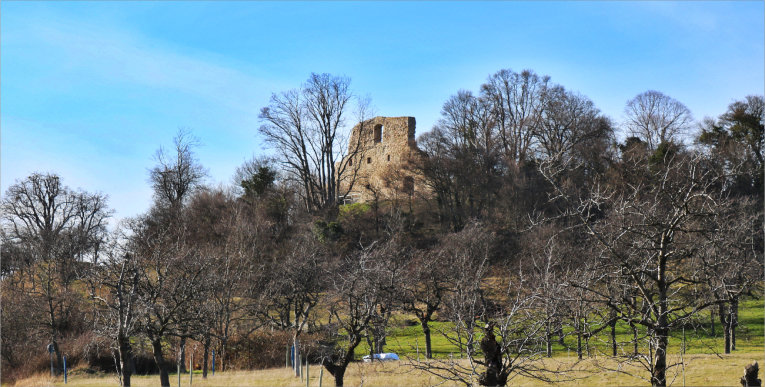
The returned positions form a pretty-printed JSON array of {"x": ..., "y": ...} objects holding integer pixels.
[
  {"x": 702, "y": 365},
  {"x": 408, "y": 340},
  {"x": 700, "y": 370}
]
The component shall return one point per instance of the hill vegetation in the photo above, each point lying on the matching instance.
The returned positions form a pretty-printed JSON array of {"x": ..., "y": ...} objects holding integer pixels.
[{"x": 547, "y": 232}]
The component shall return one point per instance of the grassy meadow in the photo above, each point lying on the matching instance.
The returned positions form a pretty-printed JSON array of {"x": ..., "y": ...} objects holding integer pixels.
[
  {"x": 700, "y": 370},
  {"x": 704, "y": 364},
  {"x": 407, "y": 339}
]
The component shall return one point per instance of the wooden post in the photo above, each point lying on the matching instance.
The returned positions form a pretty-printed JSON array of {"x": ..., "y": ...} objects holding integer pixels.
[
  {"x": 213, "y": 362},
  {"x": 321, "y": 375},
  {"x": 179, "y": 374},
  {"x": 64, "y": 369}
]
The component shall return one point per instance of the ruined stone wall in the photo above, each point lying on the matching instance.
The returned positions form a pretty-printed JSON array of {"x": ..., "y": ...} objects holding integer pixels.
[{"x": 382, "y": 152}]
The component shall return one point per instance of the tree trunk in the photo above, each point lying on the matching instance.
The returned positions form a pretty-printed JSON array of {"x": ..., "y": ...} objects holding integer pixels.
[
  {"x": 126, "y": 359},
  {"x": 733, "y": 322},
  {"x": 578, "y": 327},
  {"x": 661, "y": 328},
  {"x": 159, "y": 359},
  {"x": 339, "y": 374},
  {"x": 296, "y": 361},
  {"x": 371, "y": 346},
  {"x": 548, "y": 338},
  {"x": 59, "y": 361},
  {"x": 205, "y": 356},
  {"x": 587, "y": 345},
  {"x": 223, "y": 354},
  {"x": 727, "y": 338},
  {"x": 426, "y": 331},
  {"x": 182, "y": 355},
  {"x": 338, "y": 371},
  {"x": 659, "y": 376},
  {"x": 613, "y": 338},
  {"x": 712, "y": 320},
  {"x": 53, "y": 330},
  {"x": 634, "y": 337},
  {"x": 725, "y": 322}
]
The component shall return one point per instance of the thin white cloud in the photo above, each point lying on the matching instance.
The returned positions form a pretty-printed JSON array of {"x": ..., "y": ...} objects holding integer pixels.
[
  {"x": 122, "y": 56},
  {"x": 78, "y": 54}
]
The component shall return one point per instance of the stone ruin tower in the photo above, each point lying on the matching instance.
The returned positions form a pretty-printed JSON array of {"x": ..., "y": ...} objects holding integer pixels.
[{"x": 382, "y": 153}]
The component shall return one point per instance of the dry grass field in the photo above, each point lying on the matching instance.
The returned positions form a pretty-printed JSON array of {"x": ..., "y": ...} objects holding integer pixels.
[{"x": 700, "y": 370}]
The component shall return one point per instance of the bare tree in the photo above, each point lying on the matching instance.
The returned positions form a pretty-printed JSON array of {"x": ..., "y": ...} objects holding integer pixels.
[
  {"x": 177, "y": 173},
  {"x": 56, "y": 228},
  {"x": 289, "y": 297},
  {"x": 307, "y": 126},
  {"x": 657, "y": 118},
  {"x": 425, "y": 287},
  {"x": 353, "y": 300},
  {"x": 650, "y": 236},
  {"x": 170, "y": 268},
  {"x": 516, "y": 105},
  {"x": 114, "y": 285},
  {"x": 496, "y": 325},
  {"x": 546, "y": 259},
  {"x": 567, "y": 121},
  {"x": 732, "y": 261},
  {"x": 388, "y": 268},
  {"x": 169, "y": 282},
  {"x": 463, "y": 164}
]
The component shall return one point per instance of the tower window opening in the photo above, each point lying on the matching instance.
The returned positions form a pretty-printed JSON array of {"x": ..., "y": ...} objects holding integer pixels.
[
  {"x": 350, "y": 162},
  {"x": 378, "y": 133},
  {"x": 369, "y": 160},
  {"x": 388, "y": 157}
]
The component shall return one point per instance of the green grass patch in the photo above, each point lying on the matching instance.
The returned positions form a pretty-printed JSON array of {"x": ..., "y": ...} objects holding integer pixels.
[{"x": 406, "y": 338}]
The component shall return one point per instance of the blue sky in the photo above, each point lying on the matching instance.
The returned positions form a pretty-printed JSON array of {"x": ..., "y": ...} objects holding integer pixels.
[{"x": 91, "y": 89}]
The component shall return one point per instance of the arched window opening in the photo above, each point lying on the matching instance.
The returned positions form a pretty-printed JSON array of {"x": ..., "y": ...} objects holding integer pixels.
[{"x": 378, "y": 133}]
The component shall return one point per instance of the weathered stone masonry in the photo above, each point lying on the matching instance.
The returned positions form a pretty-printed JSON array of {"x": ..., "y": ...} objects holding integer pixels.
[{"x": 383, "y": 152}]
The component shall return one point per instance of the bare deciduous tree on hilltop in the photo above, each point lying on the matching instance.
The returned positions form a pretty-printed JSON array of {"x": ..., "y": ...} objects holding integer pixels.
[
  {"x": 516, "y": 101},
  {"x": 657, "y": 118},
  {"x": 307, "y": 127}
]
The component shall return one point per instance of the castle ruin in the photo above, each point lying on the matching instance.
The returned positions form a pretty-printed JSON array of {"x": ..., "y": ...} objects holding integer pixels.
[{"x": 381, "y": 154}]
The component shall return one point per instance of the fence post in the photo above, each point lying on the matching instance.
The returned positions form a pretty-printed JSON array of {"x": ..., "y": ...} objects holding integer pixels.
[
  {"x": 213, "y": 363},
  {"x": 64, "y": 369}
]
